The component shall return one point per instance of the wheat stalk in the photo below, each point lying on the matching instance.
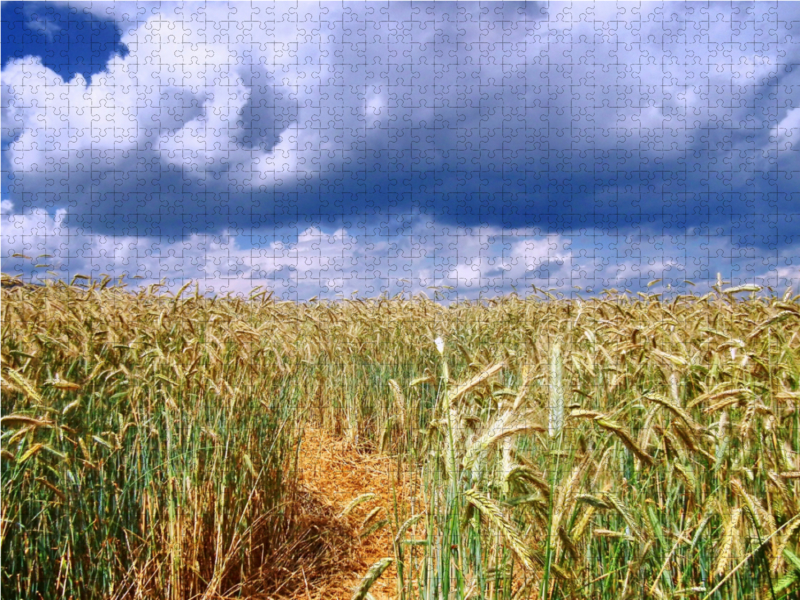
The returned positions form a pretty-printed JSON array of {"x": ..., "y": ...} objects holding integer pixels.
[
  {"x": 400, "y": 402},
  {"x": 374, "y": 572},
  {"x": 727, "y": 541},
  {"x": 355, "y": 502},
  {"x": 463, "y": 388},
  {"x": 556, "y": 407},
  {"x": 495, "y": 515},
  {"x": 497, "y": 431}
]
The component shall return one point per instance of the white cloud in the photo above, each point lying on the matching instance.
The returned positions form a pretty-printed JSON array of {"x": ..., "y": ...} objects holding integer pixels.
[
  {"x": 786, "y": 135},
  {"x": 488, "y": 261},
  {"x": 177, "y": 97}
]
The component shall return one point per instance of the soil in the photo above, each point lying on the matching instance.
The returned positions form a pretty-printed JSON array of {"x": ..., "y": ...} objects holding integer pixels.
[{"x": 332, "y": 473}]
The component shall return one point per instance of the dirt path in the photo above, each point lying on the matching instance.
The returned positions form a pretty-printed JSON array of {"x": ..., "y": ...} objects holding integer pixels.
[{"x": 333, "y": 473}]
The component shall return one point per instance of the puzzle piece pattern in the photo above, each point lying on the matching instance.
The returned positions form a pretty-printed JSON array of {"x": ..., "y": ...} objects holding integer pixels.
[{"x": 329, "y": 149}]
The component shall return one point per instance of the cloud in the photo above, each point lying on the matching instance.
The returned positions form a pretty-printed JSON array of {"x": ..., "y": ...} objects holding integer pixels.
[
  {"x": 564, "y": 114},
  {"x": 786, "y": 134},
  {"x": 299, "y": 265},
  {"x": 325, "y": 149}
]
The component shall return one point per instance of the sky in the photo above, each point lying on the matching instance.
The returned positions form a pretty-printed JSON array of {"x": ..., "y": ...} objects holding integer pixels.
[{"x": 336, "y": 149}]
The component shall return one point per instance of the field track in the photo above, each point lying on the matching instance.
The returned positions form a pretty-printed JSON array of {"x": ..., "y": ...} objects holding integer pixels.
[{"x": 334, "y": 472}]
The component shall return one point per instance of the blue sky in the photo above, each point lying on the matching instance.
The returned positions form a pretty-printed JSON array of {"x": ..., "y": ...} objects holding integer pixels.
[{"x": 322, "y": 149}]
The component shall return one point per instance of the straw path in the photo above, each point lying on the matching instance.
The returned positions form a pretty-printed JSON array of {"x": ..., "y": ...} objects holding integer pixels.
[{"x": 334, "y": 472}]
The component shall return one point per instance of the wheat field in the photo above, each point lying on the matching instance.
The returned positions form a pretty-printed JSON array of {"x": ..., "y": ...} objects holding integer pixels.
[{"x": 156, "y": 445}]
